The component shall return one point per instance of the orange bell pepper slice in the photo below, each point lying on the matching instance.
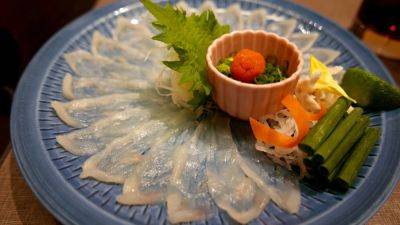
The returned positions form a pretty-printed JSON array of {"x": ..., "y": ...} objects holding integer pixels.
[{"x": 263, "y": 132}]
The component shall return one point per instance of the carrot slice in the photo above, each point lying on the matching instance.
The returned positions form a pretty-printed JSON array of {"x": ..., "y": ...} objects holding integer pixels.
[
  {"x": 299, "y": 115},
  {"x": 265, "y": 133},
  {"x": 318, "y": 115},
  {"x": 302, "y": 118},
  {"x": 295, "y": 104}
]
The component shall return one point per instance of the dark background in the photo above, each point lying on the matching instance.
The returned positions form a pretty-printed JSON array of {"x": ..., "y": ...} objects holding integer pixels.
[{"x": 24, "y": 27}]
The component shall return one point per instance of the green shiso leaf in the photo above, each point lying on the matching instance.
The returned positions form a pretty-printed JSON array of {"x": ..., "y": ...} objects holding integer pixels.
[{"x": 190, "y": 37}]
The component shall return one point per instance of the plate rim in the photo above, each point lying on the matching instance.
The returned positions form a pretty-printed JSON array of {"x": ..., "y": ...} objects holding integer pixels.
[
  {"x": 23, "y": 139},
  {"x": 49, "y": 200}
]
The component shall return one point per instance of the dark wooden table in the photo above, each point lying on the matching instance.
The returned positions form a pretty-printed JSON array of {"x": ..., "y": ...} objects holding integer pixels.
[{"x": 19, "y": 206}]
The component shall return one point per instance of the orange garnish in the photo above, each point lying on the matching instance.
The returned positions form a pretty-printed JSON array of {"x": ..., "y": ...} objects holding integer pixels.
[
  {"x": 297, "y": 112},
  {"x": 247, "y": 65},
  {"x": 296, "y": 105},
  {"x": 266, "y": 134},
  {"x": 263, "y": 132}
]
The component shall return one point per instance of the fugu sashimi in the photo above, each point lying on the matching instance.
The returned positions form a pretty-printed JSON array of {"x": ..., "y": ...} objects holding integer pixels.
[
  {"x": 256, "y": 20},
  {"x": 304, "y": 41},
  {"x": 281, "y": 185},
  {"x": 117, "y": 161},
  {"x": 95, "y": 137},
  {"x": 86, "y": 64},
  {"x": 138, "y": 36},
  {"x": 233, "y": 17},
  {"x": 118, "y": 52},
  {"x": 282, "y": 28},
  {"x": 148, "y": 183},
  {"x": 188, "y": 198},
  {"x": 229, "y": 187},
  {"x": 131, "y": 33},
  {"x": 208, "y": 5},
  {"x": 182, "y": 5},
  {"x": 325, "y": 55},
  {"x": 86, "y": 87},
  {"x": 83, "y": 112}
]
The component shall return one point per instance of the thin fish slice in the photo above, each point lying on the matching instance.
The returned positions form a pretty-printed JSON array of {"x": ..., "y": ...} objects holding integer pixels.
[
  {"x": 86, "y": 64},
  {"x": 229, "y": 187},
  {"x": 282, "y": 28},
  {"x": 148, "y": 183},
  {"x": 325, "y": 55},
  {"x": 281, "y": 185},
  {"x": 233, "y": 17},
  {"x": 138, "y": 36},
  {"x": 121, "y": 53},
  {"x": 256, "y": 20},
  {"x": 130, "y": 33},
  {"x": 74, "y": 87},
  {"x": 182, "y": 5},
  {"x": 82, "y": 112},
  {"x": 146, "y": 20},
  {"x": 304, "y": 41},
  {"x": 119, "y": 159},
  {"x": 95, "y": 137},
  {"x": 188, "y": 198},
  {"x": 208, "y": 5}
]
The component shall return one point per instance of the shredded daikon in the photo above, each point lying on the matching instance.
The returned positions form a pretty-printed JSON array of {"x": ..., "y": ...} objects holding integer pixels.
[
  {"x": 168, "y": 83},
  {"x": 310, "y": 98},
  {"x": 287, "y": 157}
]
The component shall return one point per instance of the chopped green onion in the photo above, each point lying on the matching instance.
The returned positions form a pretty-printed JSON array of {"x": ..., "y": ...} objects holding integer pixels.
[{"x": 224, "y": 66}]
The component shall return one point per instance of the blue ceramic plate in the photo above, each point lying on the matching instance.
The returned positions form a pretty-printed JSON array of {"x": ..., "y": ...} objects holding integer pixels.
[{"x": 53, "y": 174}]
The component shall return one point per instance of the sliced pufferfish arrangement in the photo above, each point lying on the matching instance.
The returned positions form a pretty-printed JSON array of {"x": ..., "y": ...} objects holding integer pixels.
[{"x": 157, "y": 151}]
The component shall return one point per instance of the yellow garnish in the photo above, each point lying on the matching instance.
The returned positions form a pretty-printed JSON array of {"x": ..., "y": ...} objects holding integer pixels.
[{"x": 326, "y": 81}]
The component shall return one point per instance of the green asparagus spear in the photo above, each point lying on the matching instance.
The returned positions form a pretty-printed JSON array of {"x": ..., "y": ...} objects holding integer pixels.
[
  {"x": 343, "y": 148},
  {"x": 325, "y": 126},
  {"x": 336, "y": 171},
  {"x": 334, "y": 139},
  {"x": 349, "y": 171},
  {"x": 332, "y": 175}
]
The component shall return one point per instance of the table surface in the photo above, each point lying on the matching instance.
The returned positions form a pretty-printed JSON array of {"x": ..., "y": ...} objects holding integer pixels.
[{"x": 18, "y": 205}]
